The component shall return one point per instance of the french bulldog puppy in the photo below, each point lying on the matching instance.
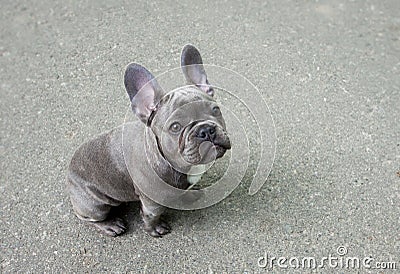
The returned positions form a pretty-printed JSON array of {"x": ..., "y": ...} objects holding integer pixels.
[{"x": 185, "y": 130}]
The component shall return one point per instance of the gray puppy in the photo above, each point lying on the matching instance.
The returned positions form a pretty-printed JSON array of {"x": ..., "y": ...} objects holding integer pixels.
[{"x": 185, "y": 129}]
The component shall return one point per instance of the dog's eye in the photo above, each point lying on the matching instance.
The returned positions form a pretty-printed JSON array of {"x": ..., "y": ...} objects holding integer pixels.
[
  {"x": 216, "y": 111},
  {"x": 175, "y": 127}
]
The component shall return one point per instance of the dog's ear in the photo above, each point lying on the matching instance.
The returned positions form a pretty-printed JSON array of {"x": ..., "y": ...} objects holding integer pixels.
[
  {"x": 193, "y": 69},
  {"x": 143, "y": 90}
]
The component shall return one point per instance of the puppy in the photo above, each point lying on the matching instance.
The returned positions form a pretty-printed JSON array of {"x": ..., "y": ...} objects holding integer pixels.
[{"x": 184, "y": 129}]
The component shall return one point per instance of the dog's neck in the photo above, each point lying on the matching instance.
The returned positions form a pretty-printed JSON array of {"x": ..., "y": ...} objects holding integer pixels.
[{"x": 161, "y": 165}]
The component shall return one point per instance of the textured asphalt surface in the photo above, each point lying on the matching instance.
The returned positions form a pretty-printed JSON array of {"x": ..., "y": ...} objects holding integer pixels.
[{"x": 329, "y": 71}]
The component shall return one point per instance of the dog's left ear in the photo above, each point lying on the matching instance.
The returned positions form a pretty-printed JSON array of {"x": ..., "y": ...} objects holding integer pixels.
[{"x": 192, "y": 67}]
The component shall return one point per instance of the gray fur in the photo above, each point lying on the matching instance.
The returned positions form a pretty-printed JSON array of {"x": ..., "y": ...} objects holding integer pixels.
[{"x": 98, "y": 178}]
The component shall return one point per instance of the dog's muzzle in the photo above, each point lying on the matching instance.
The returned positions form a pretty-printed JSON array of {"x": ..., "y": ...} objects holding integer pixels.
[{"x": 205, "y": 142}]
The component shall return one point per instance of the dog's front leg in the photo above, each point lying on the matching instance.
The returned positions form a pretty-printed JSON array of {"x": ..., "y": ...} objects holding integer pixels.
[{"x": 151, "y": 213}]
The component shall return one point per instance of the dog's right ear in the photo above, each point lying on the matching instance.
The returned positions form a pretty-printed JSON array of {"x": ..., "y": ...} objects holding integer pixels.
[{"x": 143, "y": 90}]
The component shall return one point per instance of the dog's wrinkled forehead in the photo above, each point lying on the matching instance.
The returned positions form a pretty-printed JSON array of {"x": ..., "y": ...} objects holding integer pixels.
[{"x": 187, "y": 99}]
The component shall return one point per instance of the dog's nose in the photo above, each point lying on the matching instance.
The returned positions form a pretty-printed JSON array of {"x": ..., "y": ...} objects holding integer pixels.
[{"x": 206, "y": 132}]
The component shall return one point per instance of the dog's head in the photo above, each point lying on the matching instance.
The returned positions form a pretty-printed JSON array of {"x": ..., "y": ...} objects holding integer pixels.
[{"x": 187, "y": 122}]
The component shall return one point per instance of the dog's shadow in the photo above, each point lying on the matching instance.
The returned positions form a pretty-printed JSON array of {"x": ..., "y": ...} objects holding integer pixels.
[{"x": 185, "y": 222}]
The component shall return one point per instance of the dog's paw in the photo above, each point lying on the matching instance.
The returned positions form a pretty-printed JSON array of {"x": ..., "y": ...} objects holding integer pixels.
[
  {"x": 112, "y": 227},
  {"x": 158, "y": 230}
]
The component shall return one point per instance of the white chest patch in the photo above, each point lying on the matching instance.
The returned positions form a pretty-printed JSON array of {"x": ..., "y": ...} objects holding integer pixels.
[{"x": 195, "y": 173}]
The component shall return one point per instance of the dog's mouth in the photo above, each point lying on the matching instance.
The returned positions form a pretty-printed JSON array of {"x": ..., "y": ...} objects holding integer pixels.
[
  {"x": 221, "y": 146},
  {"x": 221, "y": 149},
  {"x": 203, "y": 150}
]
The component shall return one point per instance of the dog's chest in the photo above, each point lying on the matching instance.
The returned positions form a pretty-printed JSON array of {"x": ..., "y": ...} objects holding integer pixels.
[{"x": 195, "y": 173}]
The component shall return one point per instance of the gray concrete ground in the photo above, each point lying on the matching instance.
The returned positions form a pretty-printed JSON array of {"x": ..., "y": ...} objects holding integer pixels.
[{"x": 329, "y": 71}]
